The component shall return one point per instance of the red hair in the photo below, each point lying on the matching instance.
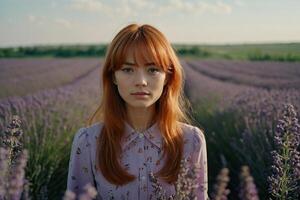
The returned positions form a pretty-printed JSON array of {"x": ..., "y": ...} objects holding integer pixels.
[{"x": 144, "y": 41}]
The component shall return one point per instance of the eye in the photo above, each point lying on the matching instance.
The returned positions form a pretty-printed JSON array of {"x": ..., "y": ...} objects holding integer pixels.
[
  {"x": 127, "y": 69},
  {"x": 154, "y": 70}
]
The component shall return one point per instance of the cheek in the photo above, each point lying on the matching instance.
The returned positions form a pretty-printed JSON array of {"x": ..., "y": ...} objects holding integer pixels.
[
  {"x": 122, "y": 89},
  {"x": 121, "y": 81},
  {"x": 159, "y": 82},
  {"x": 158, "y": 86}
]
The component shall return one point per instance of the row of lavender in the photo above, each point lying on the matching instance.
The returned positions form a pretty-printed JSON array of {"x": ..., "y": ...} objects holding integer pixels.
[
  {"x": 268, "y": 75},
  {"x": 21, "y": 77},
  {"x": 227, "y": 80},
  {"x": 241, "y": 117}
]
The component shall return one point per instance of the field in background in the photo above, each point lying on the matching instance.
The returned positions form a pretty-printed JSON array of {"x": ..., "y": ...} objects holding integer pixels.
[
  {"x": 26, "y": 76},
  {"x": 236, "y": 102},
  {"x": 288, "y": 52}
]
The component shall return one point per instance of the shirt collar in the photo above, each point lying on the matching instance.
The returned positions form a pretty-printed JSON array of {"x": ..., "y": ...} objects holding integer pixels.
[{"x": 153, "y": 134}]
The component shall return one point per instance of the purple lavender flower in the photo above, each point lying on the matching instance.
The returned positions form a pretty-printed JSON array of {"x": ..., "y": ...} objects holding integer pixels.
[
  {"x": 13, "y": 161},
  {"x": 185, "y": 185},
  {"x": 158, "y": 190},
  {"x": 284, "y": 180},
  {"x": 3, "y": 171},
  {"x": 12, "y": 178},
  {"x": 89, "y": 193},
  {"x": 69, "y": 195},
  {"x": 10, "y": 139},
  {"x": 220, "y": 188},
  {"x": 248, "y": 189},
  {"x": 17, "y": 178}
]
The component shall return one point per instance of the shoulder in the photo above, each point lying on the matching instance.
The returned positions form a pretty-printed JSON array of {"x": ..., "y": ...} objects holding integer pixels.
[
  {"x": 88, "y": 134},
  {"x": 193, "y": 135},
  {"x": 94, "y": 130}
]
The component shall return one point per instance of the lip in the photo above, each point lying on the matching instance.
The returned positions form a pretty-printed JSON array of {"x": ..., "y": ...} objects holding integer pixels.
[{"x": 140, "y": 93}]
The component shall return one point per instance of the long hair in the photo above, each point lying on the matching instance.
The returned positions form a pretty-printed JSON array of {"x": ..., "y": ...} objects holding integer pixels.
[{"x": 144, "y": 41}]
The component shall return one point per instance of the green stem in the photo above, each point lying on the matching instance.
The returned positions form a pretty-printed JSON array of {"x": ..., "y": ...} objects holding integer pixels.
[{"x": 284, "y": 183}]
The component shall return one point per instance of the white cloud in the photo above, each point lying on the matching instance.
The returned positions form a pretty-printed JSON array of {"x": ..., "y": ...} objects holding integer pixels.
[
  {"x": 63, "y": 22},
  {"x": 31, "y": 18},
  {"x": 198, "y": 7},
  {"x": 54, "y": 4},
  {"x": 238, "y": 3},
  {"x": 126, "y": 8},
  {"x": 41, "y": 20},
  {"x": 11, "y": 20},
  {"x": 221, "y": 8},
  {"x": 89, "y": 5},
  {"x": 141, "y": 4},
  {"x": 36, "y": 20}
]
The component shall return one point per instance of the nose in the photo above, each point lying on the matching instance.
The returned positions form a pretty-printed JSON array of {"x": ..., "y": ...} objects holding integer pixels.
[{"x": 140, "y": 79}]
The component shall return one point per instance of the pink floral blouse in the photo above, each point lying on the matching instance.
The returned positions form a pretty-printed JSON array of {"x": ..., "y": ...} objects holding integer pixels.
[{"x": 142, "y": 154}]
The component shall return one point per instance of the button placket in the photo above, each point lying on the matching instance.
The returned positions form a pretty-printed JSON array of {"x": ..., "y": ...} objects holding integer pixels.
[
  {"x": 141, "y": 135},
  {"x": 142, "y": 167}
]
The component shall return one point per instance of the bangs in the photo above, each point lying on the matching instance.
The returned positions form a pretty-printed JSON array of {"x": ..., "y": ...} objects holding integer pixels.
[{"x": 143, "y": 50}]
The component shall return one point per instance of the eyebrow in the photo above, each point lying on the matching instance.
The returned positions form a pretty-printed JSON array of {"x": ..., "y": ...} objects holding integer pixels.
[{"x": 133, "y": 64}]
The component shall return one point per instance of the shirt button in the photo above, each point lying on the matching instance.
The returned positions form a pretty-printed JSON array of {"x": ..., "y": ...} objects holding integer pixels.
[{"x": 141, "y": 135}]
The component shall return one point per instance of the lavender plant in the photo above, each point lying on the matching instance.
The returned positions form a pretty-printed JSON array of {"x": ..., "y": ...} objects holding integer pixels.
[
  {"x": 3, "y": 171},
  {"x": 13, "y": 161},
  {"x": 158, "y": 189},
  {"x": 11, "y": 139},
  {"x": 69, "y": 195},
  {"x": 284, "y": 182},
  {"x": 248, "y": 189},
  {"x": 17, "y": 176},
  {"x": 12, "y": 179},
  {"x": 185, "y": 185},
  {"x": 220, "y": 188},
  {"x": 89, "y": 193},
  {"x": 187, "y": 181}
]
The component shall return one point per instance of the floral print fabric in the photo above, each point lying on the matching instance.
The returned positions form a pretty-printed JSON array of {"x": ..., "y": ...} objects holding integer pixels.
[{"x": 142, "y": 154}]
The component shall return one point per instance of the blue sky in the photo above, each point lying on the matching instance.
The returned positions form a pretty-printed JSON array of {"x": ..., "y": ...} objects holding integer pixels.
[{"x": 35, "y": 22}]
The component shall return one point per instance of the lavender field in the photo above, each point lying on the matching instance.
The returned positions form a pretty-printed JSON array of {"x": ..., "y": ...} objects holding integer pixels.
[
  {"x": 238, "y": 103},
  {"x": 26, "y": 76}
]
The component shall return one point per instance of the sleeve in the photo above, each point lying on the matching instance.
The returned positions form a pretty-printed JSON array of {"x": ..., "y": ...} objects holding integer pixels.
[
  {"x": 199, "y": 157},
  {"x": 80, "y": 166}
]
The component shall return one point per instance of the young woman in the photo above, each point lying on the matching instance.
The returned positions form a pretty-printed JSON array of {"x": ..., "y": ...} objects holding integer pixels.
[{"x": 140, "y": 125}]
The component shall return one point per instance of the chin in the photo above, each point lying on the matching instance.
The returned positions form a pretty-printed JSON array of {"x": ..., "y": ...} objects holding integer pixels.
[{"x": 140, "y": 104}]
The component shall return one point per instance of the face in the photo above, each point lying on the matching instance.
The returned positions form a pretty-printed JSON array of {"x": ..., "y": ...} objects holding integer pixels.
[{"x": 140, "y": 86}]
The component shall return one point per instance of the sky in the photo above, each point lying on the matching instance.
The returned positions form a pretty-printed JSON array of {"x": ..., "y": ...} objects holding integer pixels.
[{"x": 52, "y": 22}]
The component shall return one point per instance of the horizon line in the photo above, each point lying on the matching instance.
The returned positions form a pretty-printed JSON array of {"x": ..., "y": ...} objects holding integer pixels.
[{"x": 172, "y": 43}]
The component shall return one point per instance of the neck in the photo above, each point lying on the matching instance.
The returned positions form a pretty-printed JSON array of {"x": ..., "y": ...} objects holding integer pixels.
[{"x": 140, "y": 119}]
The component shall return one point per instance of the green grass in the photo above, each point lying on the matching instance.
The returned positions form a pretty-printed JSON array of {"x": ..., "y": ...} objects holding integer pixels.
[
  {"x": 276, "y": 52},
  {"x": 288, "y": 52}
]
